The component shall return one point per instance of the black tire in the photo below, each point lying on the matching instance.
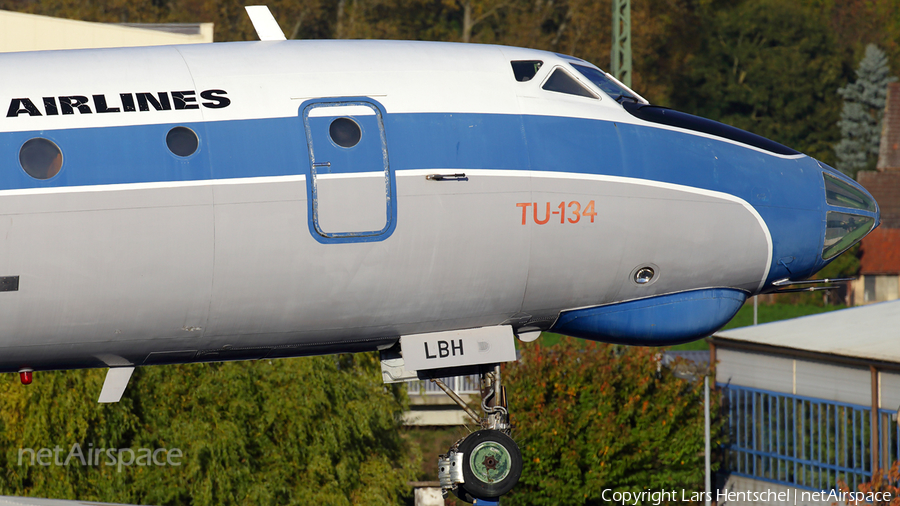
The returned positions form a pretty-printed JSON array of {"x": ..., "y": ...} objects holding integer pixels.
[
  {"x": 462, "y": 494},
  {"x": 492, "y": 464}
]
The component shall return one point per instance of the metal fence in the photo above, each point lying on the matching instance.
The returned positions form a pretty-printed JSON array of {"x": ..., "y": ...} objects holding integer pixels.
[
  {"x": 888, "y": 437},
  {"x": 804, "y": 442},
  {"x": 460, "y": 384}
]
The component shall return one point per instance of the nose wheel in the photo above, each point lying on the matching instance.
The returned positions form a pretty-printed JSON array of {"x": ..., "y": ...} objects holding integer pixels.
[
  {"x": 492, "y": 464},
  {"x": 487, "y": 463}
]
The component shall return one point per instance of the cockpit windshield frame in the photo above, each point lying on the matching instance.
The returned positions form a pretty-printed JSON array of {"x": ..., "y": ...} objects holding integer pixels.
[{"x": 607, "y": 85}]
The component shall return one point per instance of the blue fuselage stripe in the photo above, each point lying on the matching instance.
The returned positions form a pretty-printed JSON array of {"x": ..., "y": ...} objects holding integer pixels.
[
  {"x": 787, "y": 192},
  {"x": 277, "y": 147}
]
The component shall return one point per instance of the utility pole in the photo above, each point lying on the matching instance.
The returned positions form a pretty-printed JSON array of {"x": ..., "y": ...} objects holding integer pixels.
[
  {"x": 620, "y": 64},
  {"x": 708, "y": 474}
]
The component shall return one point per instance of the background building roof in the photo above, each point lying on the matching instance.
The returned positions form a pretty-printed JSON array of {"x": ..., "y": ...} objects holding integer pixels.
[
  {"x": 866, "y": 332},
  {"x": 880, "y": 252},
  {"x": 30, "y": 32},
  {"x": 885, "y": 187}
]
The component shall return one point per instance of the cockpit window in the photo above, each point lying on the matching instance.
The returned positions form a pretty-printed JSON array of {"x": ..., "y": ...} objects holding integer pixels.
[
  {"x": 841, "y": 194},
  {"x": 842, "y": 230},
  {"x": 561, "y": 82},
  {"x": 525, "y": 70},
  {"x": 606, "y": 84}
]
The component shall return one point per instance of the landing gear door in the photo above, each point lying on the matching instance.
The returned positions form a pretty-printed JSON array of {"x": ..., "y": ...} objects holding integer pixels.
[{"x": 350, "y": 184}]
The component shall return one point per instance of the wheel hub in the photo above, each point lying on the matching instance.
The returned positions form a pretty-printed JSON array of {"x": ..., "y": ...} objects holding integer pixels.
[{"x": 490, "y": 462}]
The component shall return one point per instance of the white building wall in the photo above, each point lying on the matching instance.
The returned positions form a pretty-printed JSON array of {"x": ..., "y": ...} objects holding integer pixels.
[
  {"x": 741, "y": 491},
  {"x": 889, "y": 390},
  {"x": 30, "y": 32},
  {"x": 834, "y": 382},
  {"x": 804, "y": 377},
  {"x": 755, "y": 370}
]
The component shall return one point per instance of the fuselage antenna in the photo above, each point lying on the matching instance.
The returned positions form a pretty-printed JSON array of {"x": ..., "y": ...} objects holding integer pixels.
[{"x": 264, "y": 23}]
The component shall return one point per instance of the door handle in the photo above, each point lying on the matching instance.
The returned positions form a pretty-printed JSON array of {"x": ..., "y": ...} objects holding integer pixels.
[{"x": 447, "y": 177}]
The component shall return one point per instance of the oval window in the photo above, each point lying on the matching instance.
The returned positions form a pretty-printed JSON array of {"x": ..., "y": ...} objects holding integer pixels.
[
  {"x": 182, "y": 141},
  {"x": 40, "y": 158},
  {"x": 345, "y": 132}
]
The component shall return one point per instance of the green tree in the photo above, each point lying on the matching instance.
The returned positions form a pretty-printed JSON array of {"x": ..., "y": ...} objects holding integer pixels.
[
  {"x": 593, "y": 416},
  {"x": 318, "y": 430},
  {"x": 769, "y": 67},
  {"x": 861, "y": 116}
]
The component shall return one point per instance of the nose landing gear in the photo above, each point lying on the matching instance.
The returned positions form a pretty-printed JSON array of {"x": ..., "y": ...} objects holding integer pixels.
[
  {"x": 491, "y": 465},
  {"x": 487, "y": 463}
]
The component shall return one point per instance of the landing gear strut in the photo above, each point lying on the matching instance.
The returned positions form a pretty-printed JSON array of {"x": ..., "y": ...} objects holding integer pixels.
[{"x": 487, "y": 463}]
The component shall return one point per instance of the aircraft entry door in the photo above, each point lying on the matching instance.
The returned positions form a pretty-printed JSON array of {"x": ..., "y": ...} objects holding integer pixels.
[{"x": 350, "y": 184}]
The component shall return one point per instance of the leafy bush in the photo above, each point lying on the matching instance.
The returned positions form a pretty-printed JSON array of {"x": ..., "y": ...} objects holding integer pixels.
[
  {"x": 882, "y": 490},
  {"x": 320, "y": 430},
  {"x": 599, "y": 416}
]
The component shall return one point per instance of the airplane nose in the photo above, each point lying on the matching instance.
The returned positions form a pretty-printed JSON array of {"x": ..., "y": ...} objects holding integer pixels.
[{"x": 851, "y": 213}]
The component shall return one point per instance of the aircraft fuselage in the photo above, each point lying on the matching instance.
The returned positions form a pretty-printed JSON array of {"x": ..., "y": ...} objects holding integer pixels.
[{"x": 463, "y": 198}]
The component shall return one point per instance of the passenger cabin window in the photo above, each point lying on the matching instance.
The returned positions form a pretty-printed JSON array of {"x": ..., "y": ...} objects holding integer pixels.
[
  {"x": 602, "y": 81},
  {"x": 345, "y": 132},
  {"x": 525, "y": 70},
  {"x": 40, "y": 158},
  {"x": 561, "y": 82},
  {"x": 182, "y": 141}
]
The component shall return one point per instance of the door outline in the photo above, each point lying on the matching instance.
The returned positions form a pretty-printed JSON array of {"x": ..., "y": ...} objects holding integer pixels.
[{"x": 312, "y": 194}]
